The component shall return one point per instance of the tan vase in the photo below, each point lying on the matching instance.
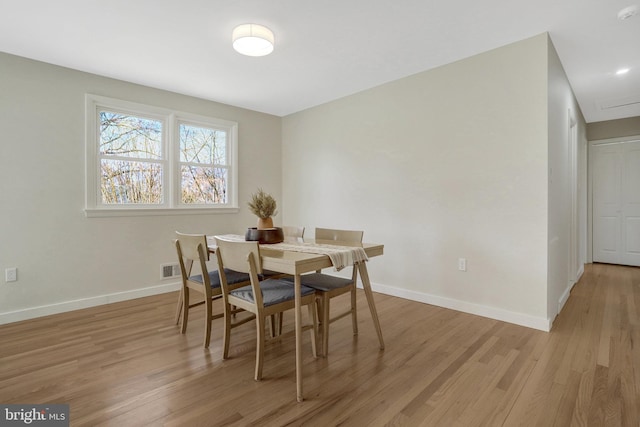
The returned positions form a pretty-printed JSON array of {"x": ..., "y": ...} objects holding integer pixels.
[{"x": 265, "y": 223}]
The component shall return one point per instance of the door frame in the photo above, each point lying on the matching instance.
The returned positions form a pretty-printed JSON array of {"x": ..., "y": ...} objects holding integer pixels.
[{"x": 574, "y": 239}]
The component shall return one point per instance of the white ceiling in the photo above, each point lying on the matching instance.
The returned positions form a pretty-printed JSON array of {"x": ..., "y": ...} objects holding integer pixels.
[{"x": 325, "y": 49}]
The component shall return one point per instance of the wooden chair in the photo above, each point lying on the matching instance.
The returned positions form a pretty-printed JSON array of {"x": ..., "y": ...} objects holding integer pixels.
[
  {"x": 192, "y": 248},
  {"x": 262, "y": 298},
  {"x": 327, "y": 286},
  {"x": 351, "y": 236},
  {"x": 292, "y": 233}
]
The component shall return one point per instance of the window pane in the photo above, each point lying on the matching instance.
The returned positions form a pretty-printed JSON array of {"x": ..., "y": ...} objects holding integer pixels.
[
  {"x": 124, "y": 182},
  {"x": 202, "y": 145},
  {"x": 204, "y": 185},
  {"x": 130, "y": 136}
]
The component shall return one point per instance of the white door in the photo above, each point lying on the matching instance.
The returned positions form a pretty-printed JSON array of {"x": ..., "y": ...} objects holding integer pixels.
[{"x": 616, "y": 202}]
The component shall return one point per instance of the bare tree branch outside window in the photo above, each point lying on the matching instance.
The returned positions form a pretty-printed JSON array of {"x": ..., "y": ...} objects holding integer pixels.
[
  {"x": 133, "y": 166},
  {"x": 128, "y": 147},
  {"x": 203, "y": 165}
]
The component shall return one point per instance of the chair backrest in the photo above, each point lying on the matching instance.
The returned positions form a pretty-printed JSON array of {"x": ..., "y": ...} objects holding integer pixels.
[
  {"x": 351, "y": 236},
  {"x": 292, "y": 233},
  {"x": 339, "y": 235},
  {"x": 193, "y": 248},
  {"x": 235, "y": 255},
  {"x": 243, "y": 257},
  {"x": 189, "y": 245}
]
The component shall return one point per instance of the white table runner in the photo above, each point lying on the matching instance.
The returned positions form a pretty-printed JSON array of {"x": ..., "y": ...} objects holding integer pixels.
[{"x": 341, "y": 256}]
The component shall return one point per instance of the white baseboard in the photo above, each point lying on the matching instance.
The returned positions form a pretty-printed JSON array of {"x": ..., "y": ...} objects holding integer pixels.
[
  {"x": 453, "y": 304},
  {"x": 46, "y": 310},
  {"x": 466, "y": 307}
]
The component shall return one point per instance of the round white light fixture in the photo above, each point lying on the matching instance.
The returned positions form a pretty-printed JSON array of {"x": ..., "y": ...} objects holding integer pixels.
[
  {"x": 627, "y": 12},
  {"x": 253, "y": 40},
  {"x": 622, "y": 71}
]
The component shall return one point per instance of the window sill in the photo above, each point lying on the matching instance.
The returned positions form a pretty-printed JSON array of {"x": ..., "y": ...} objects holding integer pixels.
[{"x": 116, "y": 212}]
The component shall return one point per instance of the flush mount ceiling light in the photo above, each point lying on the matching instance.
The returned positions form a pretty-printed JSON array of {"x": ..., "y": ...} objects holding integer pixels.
[
  {"x": 627, "y": 12},
  {"x": 622, "y": 71},
  {"x": 253, "y": 40}
]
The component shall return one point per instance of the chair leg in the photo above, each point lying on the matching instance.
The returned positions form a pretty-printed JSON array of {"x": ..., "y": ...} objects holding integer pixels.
[
  {"x": 319, "y": 306},
  {"x": 354, "y": 311},
  {"x": 314, "y": 330},
  {"x": 274, "y": 326},
  {"x": 208, "y": 320},
  {"x": 325, "y": 324},
  {"x": 185, "y": 310},
  {"x": 260, "y": 324},
  {"x": 227, "y": 331},
  {"x": 179, "y": 307}
]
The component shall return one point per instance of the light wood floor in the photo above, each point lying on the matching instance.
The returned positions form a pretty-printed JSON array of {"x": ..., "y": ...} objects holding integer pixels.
[{"x": 126, "y": 364}]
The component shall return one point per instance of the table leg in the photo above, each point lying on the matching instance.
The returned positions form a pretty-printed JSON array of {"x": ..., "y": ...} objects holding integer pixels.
[
  {"x": 298, "y": 316},
  {"x": 366, "y": 285}
]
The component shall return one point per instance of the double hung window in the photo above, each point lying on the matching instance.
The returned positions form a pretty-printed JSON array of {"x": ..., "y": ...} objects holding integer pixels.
[{"x": 148, "y": 160}]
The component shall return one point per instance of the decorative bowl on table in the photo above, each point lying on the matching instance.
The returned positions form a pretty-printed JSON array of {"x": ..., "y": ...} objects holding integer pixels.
[{"x": 264, "y": 235}]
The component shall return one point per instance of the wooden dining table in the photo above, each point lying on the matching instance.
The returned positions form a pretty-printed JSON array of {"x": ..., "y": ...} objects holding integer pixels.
[{"x": 297, "y": 263}]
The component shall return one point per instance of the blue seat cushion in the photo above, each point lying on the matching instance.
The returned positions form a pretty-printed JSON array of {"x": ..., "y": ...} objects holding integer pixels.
[
  {"x": 233, "y": 277},
  {"x": 274, "y": 291},
  {"x": 322, "y": 282}
]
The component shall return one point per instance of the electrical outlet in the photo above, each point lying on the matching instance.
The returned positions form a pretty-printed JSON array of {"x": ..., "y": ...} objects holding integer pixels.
[
  {"x": 11, "y": 274},
  {"x": 462, "y": 264}
]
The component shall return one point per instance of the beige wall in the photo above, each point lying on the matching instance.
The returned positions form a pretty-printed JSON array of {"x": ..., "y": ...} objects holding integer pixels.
[
  {"x": 446, "y": 164},
  {"x": 613, "y": 128},
  {"x": 465, "y": 161},
  {"x": 64, "y": 259}
]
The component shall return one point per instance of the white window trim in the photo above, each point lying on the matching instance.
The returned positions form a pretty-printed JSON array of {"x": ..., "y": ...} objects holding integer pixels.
[{"x": 172, "y": 204}]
